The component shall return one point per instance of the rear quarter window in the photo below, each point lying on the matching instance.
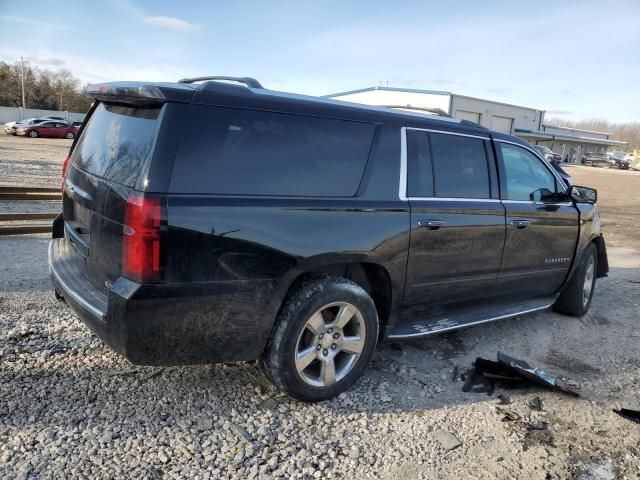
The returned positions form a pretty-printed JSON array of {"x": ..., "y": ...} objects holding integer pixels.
[
  {"x": 117, "y": 143},
  {"x": 247, "y": 152}
]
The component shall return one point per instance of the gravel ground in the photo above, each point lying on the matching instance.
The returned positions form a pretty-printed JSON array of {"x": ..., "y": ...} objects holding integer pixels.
[
  {"x": 32, "y": 162},
  {"x": 71, "y": 408}
]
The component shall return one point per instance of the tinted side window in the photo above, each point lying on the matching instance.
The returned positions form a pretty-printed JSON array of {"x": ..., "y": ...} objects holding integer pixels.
[
  {"x": 459, "y": 166},
  {"x": 248, "y": 152},
  {"x": 525, "y": 176},
  {"x": 419, "y": 168}
]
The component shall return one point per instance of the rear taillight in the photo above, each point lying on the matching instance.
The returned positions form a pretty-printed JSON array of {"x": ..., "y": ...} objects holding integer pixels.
[
  {"x": 141, "y": 239},
  {"x": 64, "y": 169}
]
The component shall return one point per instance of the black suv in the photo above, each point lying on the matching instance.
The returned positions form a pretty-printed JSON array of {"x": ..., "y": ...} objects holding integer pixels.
[
  {"x": 217, "y": 222},
  {"x": 593, "y": 159}
]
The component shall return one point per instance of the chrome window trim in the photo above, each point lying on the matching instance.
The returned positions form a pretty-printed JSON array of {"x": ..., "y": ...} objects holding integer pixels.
[
  {"x": 431, "y": 130},
  {"x": 455, "y": 199},
  {"x": 534, "y": 202},
  {"x": 402, "y": 193},
  {"x": 403, "y": 164},
  {"x": 538, "y": 156}
]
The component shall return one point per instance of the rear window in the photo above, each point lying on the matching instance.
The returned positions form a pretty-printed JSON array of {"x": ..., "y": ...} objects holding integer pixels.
[
  {"x": 248, "y": 152},
  {"x": 117, "y": 143}
]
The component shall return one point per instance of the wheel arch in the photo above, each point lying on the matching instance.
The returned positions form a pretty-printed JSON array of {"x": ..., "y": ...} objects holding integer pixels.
[{"x": 372, "y": 276}]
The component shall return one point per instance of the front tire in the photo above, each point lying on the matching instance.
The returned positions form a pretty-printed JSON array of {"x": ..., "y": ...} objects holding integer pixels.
[
  {"x": 33, "y": 133},
  {"x": 70, "y": 135},
  {"x": 323, "y": 339},
  {"x": 576, "y": 298}
]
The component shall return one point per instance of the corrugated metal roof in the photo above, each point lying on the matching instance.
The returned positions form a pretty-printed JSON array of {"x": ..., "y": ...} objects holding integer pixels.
[{"x": 571, "y": 138}]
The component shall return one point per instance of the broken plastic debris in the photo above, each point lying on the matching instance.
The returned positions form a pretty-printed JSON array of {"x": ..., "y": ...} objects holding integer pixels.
[
  {"x": 633, "y": 415},
  {"x": 510, "y": 372},
  {"x": 536, "y": 375},
  {"x": 536, "y": 404}
]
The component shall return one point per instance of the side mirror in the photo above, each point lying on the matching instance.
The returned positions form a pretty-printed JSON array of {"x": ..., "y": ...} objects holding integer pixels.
[{"x": 583, "y": 194}]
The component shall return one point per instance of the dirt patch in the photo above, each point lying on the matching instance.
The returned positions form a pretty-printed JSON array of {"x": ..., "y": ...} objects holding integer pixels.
[
  {"x": 569, "y": 364},
  {"x": 618, "y": 201}
]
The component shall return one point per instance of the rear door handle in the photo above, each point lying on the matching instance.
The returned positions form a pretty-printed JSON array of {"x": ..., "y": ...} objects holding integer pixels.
[
  {"x": 431, "y": 224},
  {"x": 520, "y": 223}
]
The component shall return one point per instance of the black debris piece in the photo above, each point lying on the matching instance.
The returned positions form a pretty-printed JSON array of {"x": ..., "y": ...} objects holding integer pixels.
[
  {"x": 535, "y": 375},
  {"x": 509, "y": 416},
  {"x": 469, "y": 377},
  {"x": 497, "y": 372},
  {"x": 485, "y": 388},
  {"x": 504, "y": 399},
  {"x": 537, "y": 426},
  {"x": 633, "y": 415},
  {"x": 455, "y": 374},
  {"x": 536, "y": 404},
  {"x": 509, "y": 372}
]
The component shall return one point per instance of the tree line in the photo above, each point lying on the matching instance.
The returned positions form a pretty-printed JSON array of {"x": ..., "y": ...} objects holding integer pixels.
[
  {"x": 43, "y": 89},
  {"x": 622, "y": 131}
]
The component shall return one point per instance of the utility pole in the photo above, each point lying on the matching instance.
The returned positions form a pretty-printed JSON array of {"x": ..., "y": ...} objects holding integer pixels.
[{"x": 22, "y": 76}]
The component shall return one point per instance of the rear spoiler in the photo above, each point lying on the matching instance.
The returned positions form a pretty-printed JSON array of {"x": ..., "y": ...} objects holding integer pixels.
[{"x": 140, "y": 93}]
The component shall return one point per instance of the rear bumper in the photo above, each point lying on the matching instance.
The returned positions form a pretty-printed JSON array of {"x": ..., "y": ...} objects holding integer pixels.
[{"x": 172, "y": 324}]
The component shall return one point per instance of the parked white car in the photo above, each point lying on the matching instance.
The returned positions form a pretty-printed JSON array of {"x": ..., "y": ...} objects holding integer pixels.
[{"x": 11, "y": 127}]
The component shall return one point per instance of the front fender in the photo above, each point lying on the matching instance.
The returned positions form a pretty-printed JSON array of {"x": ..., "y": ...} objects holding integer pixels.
[{"x": 590, "y": 231}]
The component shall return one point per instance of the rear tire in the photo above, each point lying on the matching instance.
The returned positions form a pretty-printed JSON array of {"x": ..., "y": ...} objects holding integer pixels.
[
  {"x": 323, "y": 339},
  {"x": 576, "y": 298},
  {"x": 589, "y": 164}
]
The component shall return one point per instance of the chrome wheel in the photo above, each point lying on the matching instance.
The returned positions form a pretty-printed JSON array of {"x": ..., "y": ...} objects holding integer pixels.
[
  {"x": 588, "y": 281},
  {"x": 330, "y": 344},
  {"x": 33, "y": 134}
]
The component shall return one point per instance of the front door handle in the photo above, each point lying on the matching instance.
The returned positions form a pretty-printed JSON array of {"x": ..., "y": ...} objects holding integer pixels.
[
  {"x": 431, "y": 224},
  {"x": 520, "y": 223}
]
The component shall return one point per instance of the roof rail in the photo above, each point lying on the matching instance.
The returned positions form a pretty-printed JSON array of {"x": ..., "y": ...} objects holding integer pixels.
[
  {"x": 248, "y": 81},
  {"x": 433, "y": 111}
]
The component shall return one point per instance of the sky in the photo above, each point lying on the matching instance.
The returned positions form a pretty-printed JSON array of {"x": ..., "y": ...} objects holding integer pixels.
[{"x": 574, "y": 59}]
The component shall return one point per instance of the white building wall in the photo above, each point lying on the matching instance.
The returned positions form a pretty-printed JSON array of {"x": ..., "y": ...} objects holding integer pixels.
[
  {"x": 494, "y": 115},
  {"x": 497, "y": 116},
  {"x": 397, "y": 98}
]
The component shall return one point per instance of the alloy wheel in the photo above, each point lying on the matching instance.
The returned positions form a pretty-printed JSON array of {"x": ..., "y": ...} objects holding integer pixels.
[
  {"x": 330, "y": 344},
  {"x": 588, "y": 281}
]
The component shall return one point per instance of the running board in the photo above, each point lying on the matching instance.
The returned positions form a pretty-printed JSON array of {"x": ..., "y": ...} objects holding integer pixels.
[{"x": 469, "y": 317}]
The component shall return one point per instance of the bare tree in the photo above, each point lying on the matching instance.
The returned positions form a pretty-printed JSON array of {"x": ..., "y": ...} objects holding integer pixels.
[
  {"x": 45, "y": 89},
  {"x": 623, "y": 131}
]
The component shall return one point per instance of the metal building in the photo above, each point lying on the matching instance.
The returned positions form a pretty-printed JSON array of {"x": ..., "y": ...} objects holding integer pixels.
[{"x": 524, "y": 122}]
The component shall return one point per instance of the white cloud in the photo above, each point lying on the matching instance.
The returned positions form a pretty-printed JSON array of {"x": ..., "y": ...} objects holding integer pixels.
[
  {"x": 46, "y": 59},
  {"x": 172, "y": 23}
]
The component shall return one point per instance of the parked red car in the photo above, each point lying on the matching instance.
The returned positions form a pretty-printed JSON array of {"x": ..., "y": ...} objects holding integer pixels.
[{"x": 48, "y": 129}]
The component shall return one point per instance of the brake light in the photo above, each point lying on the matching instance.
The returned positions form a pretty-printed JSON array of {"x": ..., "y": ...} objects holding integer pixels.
[
  {"x": 141, "y": 239},
  {"x": 64, "y": 169}
]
